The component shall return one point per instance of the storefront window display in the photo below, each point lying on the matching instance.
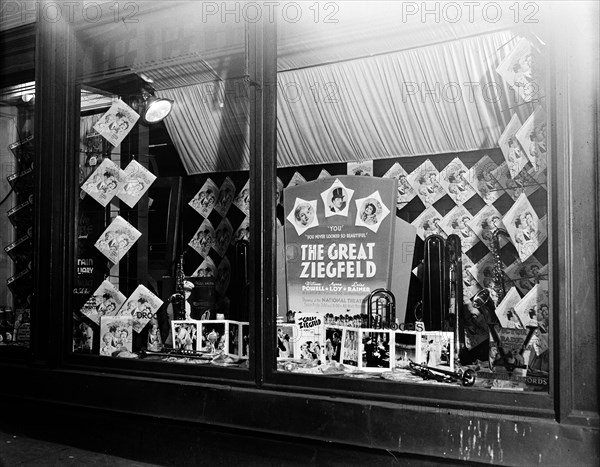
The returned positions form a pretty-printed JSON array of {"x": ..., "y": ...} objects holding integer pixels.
[
  {"x": 163, "y": 216},
  {"x": 413, "y": 214},
  {"x": 17, "y": 200}
]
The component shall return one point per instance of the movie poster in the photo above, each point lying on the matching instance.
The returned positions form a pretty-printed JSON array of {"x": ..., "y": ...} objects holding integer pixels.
[
  {"x": 137, "y": 181},
  {"x": 406, "y": 192},
  {"x": 117, "y": 239},
  {"x": 335, "y": 261},
  {"x": 454, "y": 179},
  {"x": 104, "y": 182},
  {"x": 117, "y": 122}
]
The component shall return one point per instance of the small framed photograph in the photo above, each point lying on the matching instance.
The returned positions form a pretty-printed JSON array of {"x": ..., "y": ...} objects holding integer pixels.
[
  {"x": 286, "y": 337},
  {"x": 350, "y": 347},
  {"x": 213, "y": 336},
  {"x": 185, "y": 334},
  {"x": 405, "y": 348},
  {"x": 374, "y": 348},
  {"x": 436, "y": 349}
]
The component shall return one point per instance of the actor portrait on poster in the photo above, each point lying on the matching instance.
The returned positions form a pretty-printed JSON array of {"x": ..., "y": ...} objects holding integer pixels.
[
  {"x": 371, "y": 211},
  {"x": 485, "y": 223},
  {"x": 116, "y": 335},
  {"x": 105, "y": 301},
  {"x": 303, "y": 215},
  {"x": 337, "y": 199}
]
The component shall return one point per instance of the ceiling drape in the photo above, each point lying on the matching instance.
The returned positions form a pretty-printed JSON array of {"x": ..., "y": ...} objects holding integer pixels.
[{"x": 441, "y": 98}]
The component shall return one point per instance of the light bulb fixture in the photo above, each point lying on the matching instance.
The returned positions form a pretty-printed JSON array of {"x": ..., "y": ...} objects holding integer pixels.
[{"x": 154, "y": 109}]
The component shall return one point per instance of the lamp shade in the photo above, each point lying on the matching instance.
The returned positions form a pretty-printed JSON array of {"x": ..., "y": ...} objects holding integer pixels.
[{"x": 156, "y": 109}]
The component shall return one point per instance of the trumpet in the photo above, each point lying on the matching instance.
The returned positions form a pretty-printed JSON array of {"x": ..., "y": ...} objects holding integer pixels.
[{"x": 466, "y": 377}]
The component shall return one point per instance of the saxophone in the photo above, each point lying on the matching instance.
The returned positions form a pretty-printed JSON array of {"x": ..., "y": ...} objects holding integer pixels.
[{"x": 178, "y": 298}]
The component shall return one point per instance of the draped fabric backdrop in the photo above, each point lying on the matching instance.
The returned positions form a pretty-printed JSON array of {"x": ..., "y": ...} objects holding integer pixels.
[{"x": 436, "y": 99}]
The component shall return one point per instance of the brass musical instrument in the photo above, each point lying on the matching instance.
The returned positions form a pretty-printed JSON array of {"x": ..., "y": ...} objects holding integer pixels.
[
  {"x": 499, "y": 286},
  {"x": 433, "y": 293},
  {"x": 385, "y": 309},
  {"x": 455, "y": 294},
  {"x": 178, "y": 298},
  {"x": 466, "y": 377}
]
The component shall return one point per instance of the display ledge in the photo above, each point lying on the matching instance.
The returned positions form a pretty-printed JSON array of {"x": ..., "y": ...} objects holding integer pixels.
[{"x": 453, "y": 433}]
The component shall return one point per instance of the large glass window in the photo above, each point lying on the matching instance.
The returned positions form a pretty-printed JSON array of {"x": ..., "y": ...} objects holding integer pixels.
[
  {"x": 412, "y": 207},
  {"x": 163, "y": 216},
  {"x": 17, "y": 105}
]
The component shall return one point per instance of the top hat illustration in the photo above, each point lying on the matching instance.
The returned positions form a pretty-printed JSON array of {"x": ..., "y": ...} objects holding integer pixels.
[{"x": 337, "y": 193}]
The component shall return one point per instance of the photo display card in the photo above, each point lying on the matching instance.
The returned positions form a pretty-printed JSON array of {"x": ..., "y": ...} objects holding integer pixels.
[
  {"x": 454, "y": 178},
  {"x": 310, "y": 340},
  {"x": 204, "y": 201},
  {"x": 204, "y": 238},
  {"x": 137, "y": 181},
  {"x": 185, "y": 334},
  {"x": 511, "y": 148},
  {"x": 141, "y": 306},
  {"x": 429, "y": 222},
  {"x": 107, "y": 300},
  {"x": 213, "y": 336},
  {"x": 481, "y": 177},
  {"x": 117, "y": 122},
  {"x": 104, "y": 182},
  {"x": 425, "y": 180},
  {"x": 350, "y": 348},
  {"x": 525, "y": 228},
  {"x": 436, "y": 349},
  {"x": 375, "y": 350},
  {"x": 406, "y": 192},
  {"x": 115, "y": 334},
  {"x": 117, "y": 239}
]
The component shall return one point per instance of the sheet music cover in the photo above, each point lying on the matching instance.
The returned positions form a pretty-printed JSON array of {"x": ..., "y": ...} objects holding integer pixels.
[
  {"x": 429, "y": 222},
  {"x": 511, "y": 148},
  {"x": 532, "y": 136},
  {"x": 406, "y": 192},
  {"x": 223, "y": 276},
  {"x": 454, "y": 178},
  {"x": 136, "y": 182},
  {"x": 204, "y": 238},
  {"x": 206, "y": 269},
  {"x": 484, "y": 223},
  {"x": 425, "y": 180},
  {"x": 525, "y": 228},
  {"x": 520, "y": 69},
  {"x": 141, "y": 306},
  {"x": 107, "y": 300},
  {"x": 226, "y": 195},
  {"x": 525, "y": 274},
  {"x": 204, "y": 201},
  {"x": 117, "y": 122},
  {"x": 522, "y": 183},
  {"x": 505, "y": 311},
  {"x": 117, "y": 239},
  {"x": 243, "y": 231},
  {"x": 242, "y": 200},
  {"x": 364, "y": 168},
  {"x": 223, "y": 235},
  {"x": 115, "y": 335},
  {"x": 457, "y": 222},
  {"x": 296, "y": 180},
  {"x": 104, "y": 182},
  {"x": 481, "y": 177}
]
